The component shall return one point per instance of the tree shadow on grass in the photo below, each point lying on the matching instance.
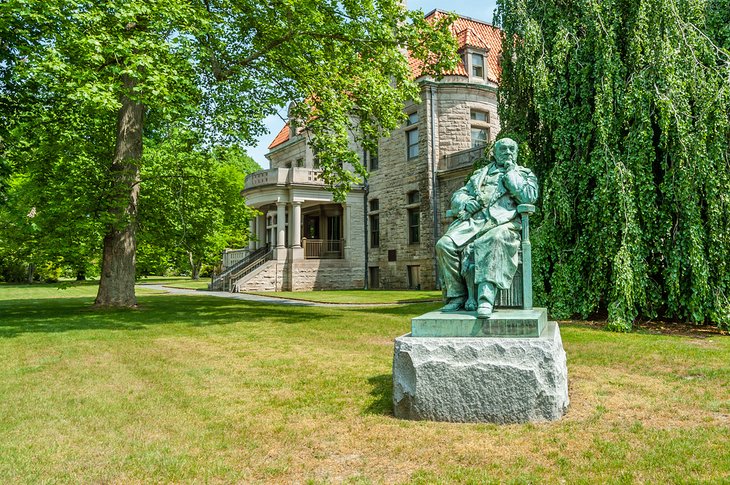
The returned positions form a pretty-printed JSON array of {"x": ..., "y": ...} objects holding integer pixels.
[
  {"x": 55, "y": 315},
  {"x": 408, "y": 310},
  {"x": 382, "y": 392}
]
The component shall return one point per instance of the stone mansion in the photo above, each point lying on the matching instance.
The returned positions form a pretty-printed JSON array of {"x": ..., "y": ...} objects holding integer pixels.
[{"x": 383, "y": 235}]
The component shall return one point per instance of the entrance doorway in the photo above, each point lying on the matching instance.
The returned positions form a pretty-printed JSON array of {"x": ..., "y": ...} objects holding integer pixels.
[
  {"x": 311, "y": 227},
  {"x": 414, "y": 277}
]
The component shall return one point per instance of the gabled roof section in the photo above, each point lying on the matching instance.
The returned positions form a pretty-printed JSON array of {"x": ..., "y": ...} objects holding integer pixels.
[
  {"x": 473, "y": 33},
  {"x": 469, "y": 38},
  {"x": 282, "y": 137}
]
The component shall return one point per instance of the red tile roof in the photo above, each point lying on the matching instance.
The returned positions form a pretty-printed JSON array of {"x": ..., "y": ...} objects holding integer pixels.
[
  {"x": 282, "y": 137},
  {"x": 469, "y": 33}
]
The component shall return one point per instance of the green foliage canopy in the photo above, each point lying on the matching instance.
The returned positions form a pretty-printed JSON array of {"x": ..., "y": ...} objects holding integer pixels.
[
  {"x": 122, "y": 69},
  {"x": 624, "y": 108},
  {"x": 190, "y": 203}
]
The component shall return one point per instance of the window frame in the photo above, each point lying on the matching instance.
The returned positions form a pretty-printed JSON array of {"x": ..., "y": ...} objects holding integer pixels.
[
  {"x": 413, "y": 210},
  {"x": 412, "y": 146},
  {"x": 414, "y": 230},
  {"x": 485, "y": 140},
  {"x": 413, "y": 197},
  {"x": 474, "y": 115},
  {"x": 374, "y": 230},
  {"x": 374, "y": 222},
  {"x": 373, "y": 160},
  {"x": 475, "y": 69}
]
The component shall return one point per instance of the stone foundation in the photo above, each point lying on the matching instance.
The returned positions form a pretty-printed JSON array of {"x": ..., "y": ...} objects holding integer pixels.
[{"x": 304, "y": 275}]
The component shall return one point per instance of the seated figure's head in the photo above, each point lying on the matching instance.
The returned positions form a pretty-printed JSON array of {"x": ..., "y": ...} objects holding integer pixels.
[{"x": 505, "y": 150}]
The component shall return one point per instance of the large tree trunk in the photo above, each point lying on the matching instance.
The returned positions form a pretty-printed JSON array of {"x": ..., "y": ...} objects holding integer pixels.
[
  {"x": 195, "y": 266},
  {"x": 116, "y": 288}
]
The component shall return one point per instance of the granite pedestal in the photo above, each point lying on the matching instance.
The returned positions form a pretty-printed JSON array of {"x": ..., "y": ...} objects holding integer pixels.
[{"x": 481, "y": 371}]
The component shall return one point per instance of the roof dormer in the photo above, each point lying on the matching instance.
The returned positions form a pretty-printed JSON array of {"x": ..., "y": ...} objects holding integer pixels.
[{"x": 475, "y": 63}]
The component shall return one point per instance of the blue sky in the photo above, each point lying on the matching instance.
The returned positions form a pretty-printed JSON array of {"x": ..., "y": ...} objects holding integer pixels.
[{"x": 477, "y": 9}]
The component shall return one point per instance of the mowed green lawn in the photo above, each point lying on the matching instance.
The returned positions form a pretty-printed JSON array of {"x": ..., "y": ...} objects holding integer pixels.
[{"x": 201, "y": 389}]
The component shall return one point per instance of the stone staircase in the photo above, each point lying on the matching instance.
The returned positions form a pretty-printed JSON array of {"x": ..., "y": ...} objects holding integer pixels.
[{"x": 226, "y": 280}]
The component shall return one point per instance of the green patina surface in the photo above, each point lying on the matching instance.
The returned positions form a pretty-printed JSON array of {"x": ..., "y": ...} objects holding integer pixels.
[{"x": 502, "y": 323}]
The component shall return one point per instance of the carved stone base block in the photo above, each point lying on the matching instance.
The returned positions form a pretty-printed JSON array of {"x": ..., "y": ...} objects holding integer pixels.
[{"x": 488, "y": 379}]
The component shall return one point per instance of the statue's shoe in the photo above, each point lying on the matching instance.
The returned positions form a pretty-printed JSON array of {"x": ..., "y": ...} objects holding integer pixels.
[
  {"x": 470, "y": 305},
  {"x": 484, "y": 310},
  {"x": 454, "y": 305}
]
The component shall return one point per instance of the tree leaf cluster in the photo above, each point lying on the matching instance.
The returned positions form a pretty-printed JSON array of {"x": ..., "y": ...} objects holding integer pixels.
[
  {"x": 190, "y": 205},
  {"x": 623, "y": 110}
]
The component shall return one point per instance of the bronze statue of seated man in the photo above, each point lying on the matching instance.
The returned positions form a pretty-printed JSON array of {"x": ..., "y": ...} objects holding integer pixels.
[{"x": 486, "y": 226}]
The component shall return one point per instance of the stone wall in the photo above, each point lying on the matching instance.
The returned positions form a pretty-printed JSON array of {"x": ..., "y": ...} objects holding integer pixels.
[
  {"x": 448, "y": 132},
  {"x": 326, "y": 274},
  {"x": 272, "y": 276},
  {"x": 449, "y": 182},
  {"x": 287, "y": 154}
]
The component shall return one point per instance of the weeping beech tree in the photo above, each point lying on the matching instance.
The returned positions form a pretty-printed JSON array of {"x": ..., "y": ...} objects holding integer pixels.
[{"x": 623, "y": 108}]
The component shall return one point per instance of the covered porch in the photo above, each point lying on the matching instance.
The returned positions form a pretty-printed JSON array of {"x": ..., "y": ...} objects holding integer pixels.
[
  {"x": 297, "y": 217},
  {"x": 304, "y": 230}
]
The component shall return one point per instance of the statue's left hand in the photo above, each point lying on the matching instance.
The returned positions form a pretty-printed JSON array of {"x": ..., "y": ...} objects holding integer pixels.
[{"x": 471, "y": 206}]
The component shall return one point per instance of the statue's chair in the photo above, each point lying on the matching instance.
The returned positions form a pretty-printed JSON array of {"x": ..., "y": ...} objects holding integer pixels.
[{"x": 519, "y": 295}]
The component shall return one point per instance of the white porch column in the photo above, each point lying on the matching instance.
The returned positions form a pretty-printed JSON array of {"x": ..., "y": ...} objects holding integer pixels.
[
  {"x": 281, "y": 230},
  {"x": 295, "y": 230},
  {"x": 295, "y": 226},
  {"x": 346, "y": 232},
  {"x": 261, "y": 230},
  {"x": 252, "y": 233}
]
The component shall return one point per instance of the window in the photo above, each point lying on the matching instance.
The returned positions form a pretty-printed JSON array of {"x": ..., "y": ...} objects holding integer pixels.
[
  {"x": 480, "y": 115},
  {"x": 479, "y": 137},
  {"x": 414, "y": 197},
  {"x": 374, "y": 224},
  {"x": 479, "y": 128},
  {"x": 414, "y": 226},
  {"x": 412, "y": 136},
  {"x": 375, "y": 231},
  {"x": 477, "y": 65},
  {"x": 300, "y": 162},
  {"x": 373, "y": 160}
]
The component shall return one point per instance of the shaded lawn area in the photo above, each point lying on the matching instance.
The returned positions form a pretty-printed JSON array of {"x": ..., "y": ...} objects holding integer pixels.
[
  {"x": 193, "y": 388},
  {"x": 357, "y": 296}
]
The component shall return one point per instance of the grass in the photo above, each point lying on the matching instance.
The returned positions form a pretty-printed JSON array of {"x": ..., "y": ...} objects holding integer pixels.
[
  {"x": 358, "y": 296},
  {"x": 200, "y": 389},
  {"x": 176, "y": 282}
]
